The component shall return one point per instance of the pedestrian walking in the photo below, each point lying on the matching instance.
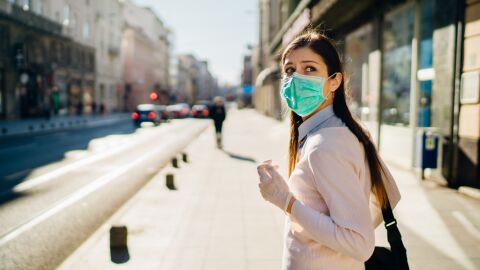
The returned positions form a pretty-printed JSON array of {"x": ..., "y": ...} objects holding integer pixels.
[
  {"x": 218, "y": 114},
  {"x": 337, "y": 183}
]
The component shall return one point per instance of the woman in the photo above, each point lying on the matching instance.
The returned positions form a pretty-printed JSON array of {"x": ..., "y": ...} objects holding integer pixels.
[
  {"x": 218, "y": 114},
  {"x": 337, "y": 182}
]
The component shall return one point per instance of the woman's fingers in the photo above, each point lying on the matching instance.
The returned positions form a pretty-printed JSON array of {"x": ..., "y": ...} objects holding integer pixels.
[
  {"x": 266, "y": 162},
  {"x": 273, "y": 171},
  {"x": 264, "y": 176}
]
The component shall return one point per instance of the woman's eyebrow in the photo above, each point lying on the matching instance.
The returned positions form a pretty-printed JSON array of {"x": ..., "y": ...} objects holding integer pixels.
[
  {"x": 288, "y": 62},
  {"x": 309, "y": 61},
  {"x": 304, "y": 61}
]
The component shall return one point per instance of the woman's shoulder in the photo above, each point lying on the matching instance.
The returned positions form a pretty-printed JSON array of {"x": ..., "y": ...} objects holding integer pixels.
[
  {"x": 336, "y": 141},
  {"x": 332, "y": 138}
]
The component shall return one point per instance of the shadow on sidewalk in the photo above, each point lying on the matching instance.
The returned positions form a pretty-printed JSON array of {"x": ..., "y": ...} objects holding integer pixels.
[
  {"x": 460, "y": 216},
  {"x": 441, "y": 228},
  {"x": 239, "y": 157},
  {"x": 422, "y": 254}
]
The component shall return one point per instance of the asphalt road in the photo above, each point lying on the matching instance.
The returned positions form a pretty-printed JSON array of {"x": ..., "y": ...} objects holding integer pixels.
[
  {"x": 58, "y": 188},
  {"x": 20, "y": 155}
]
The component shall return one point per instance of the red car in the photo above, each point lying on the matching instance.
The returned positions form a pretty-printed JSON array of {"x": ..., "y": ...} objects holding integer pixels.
[
  {"x": 146, "y": 113},
  {"x": 200, "y": 111},
  {"x": 181, "y": 110}
]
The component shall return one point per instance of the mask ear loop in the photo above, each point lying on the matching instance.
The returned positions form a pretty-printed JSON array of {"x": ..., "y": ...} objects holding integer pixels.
[{"x": 329, "y": 77}]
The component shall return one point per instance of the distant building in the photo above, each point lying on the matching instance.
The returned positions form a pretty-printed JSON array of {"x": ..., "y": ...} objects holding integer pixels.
[
  {"x": 194, "y": 80},
  {"x": 145, "y": 56},
  {"x": 267, "y": 73},
  {"x": 77, "y": 20},
  {"x": 43, "y": 71},
  {"x": 107, "y": 27},
  {"x": 246, "y": 81}
]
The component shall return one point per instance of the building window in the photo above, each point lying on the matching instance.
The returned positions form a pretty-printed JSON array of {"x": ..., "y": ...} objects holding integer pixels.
[
  {"x": 358, "y": 46},
  {"x": 2, "y": 93},
  {"x": 24, "y": 4},
  {"x": 38, "y": 7},
  {"x": 397, "y": 60},
  {"x": 425, "y": 64},
  {"x": 86, "y": 30},
  {"x": 66, "y": 15}
]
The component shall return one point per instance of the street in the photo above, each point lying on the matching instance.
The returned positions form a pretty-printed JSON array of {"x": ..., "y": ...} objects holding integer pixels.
[
  {"x": 217, "y": 219},
  {"x": 57, "y": 205},
  {"x": 21, "y": 155}
]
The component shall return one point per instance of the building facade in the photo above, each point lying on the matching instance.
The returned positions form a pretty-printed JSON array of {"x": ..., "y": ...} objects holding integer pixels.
[
  {"x": 246, "y": 80},
  {"x": 145, "y": 56},
  {"x": 107, "y": 27},
  {"x": 77, "y": 20},
  {"x": 406, "y": 63},
  {"x": 42, "y": 70},
  {"x": 194, "y": 80}
]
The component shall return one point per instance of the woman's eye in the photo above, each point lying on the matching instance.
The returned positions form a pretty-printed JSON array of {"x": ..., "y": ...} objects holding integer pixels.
[
  {"x": 310, "y": 69},
  {"x": 289, "y": 71}
]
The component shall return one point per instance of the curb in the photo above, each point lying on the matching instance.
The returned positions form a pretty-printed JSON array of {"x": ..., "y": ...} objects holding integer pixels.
[
  {"x": 41, "y": 127},
  {"x": 470, "y": 192}
]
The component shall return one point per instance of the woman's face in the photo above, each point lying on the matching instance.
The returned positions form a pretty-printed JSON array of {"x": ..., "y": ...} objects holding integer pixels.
[{"x": 306, "y": 62}]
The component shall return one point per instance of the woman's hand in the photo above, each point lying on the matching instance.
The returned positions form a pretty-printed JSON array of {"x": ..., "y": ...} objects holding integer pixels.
[{"x": 272, "y": 185}]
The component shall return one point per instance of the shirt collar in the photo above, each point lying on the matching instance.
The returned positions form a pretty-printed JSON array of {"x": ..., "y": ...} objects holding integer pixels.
[{"x": 314, "y": 121}]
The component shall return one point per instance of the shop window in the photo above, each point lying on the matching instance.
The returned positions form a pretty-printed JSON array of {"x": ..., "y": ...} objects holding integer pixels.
[
  {"x": 397, "y": 60},
  {"x": 2, "y": 93},
  {"x": 358, "y": 46},
  {"x": 425, "y": 64}
]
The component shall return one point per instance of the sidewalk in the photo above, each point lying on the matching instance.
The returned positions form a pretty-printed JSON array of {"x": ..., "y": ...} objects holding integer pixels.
[
  {"x": 37, "y": 125},
  {"x": 216, "y": 219}
]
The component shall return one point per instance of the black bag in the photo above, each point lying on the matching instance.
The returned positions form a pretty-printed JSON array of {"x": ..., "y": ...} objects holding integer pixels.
[{"x": 389, "y": 259}]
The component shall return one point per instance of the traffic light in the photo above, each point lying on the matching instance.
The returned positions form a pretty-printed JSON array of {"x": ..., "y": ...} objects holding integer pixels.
[{"x": 153, "y": 96}]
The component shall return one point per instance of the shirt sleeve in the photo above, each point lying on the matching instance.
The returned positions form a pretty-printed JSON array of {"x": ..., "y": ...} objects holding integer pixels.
[{"x": 347, "y": 228}]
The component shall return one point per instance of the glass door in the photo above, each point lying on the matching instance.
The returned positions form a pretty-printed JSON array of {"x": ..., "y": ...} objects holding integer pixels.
[
  {"x": 396, "y": 139},
  {"x": 2, "y": 93}
]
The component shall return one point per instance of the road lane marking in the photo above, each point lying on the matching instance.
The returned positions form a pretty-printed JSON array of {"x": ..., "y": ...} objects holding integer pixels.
[
  {"x": 94, "y": 185},
  {"x": 31, "y": 183}
]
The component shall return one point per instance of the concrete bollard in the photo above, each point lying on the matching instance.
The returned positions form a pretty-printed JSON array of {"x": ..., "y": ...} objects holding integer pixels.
[
  {"x": 118, "y": 237},
  {"x": 170, "y": 181},
  {"x": 175, "y": 162},
  {"x": 185, "y": 157}
]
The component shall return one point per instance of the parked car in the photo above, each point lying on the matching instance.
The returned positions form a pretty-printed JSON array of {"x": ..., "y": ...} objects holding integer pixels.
[
  {"x": 205, "y": 102},
  {"x": 200, "y": 111},
  {"x": 165, "y": 114},
  {"x": 146, "y": 113},
  {"x": 180, "y": 110}
]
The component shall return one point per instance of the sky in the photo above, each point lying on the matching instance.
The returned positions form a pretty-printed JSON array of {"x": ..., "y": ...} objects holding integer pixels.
[{"x": 214, "y": 30}]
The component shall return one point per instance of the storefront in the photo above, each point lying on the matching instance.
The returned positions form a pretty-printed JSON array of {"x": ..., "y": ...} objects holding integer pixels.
[
  {"x": 400, "y": 64},
  {"x": 2, "y": 93},
  {"x": 39, "y": 67}
]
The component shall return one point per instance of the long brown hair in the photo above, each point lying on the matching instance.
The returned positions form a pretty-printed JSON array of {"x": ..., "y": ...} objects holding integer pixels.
[{"x": 325, "y": 47}]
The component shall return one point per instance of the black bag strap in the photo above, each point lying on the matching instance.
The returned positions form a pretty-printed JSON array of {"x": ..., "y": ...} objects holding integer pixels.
[{"x": 395, "y": 238}]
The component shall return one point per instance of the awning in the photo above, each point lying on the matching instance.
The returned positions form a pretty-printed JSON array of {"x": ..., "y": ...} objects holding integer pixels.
[{"x": 265, "y": 75}]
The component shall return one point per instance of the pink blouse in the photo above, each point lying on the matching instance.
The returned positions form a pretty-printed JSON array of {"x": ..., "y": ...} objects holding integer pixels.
[{"x": 331, "y": 225}]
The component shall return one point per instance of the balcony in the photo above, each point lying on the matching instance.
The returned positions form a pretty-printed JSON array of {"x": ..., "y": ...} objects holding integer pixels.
[{"x": 28, "y": 18}]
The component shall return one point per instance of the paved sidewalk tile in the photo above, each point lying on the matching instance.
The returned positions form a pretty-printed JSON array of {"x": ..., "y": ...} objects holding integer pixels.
[{"x": 216, "y": 219}]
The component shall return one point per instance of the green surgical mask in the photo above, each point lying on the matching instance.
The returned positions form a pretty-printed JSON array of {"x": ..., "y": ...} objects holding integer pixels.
[{"x": 303, "y": 93}]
